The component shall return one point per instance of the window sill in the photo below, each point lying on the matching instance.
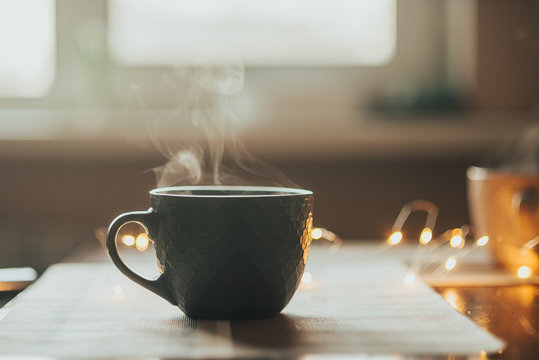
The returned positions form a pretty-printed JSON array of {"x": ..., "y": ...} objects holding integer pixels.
[{"x": 61, "y": 135}]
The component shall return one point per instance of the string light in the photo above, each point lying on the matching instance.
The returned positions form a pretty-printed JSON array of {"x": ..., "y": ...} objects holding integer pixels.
[
  {"x": 142, "y": 242},
  {"x": 524, "y": 272},
  {"x": 457, "y": 240},
  {"x": 417, "y": 205},
  {"x": 482, "y": 241},
  {"x": 317, "y": 233},
  {"x": 529, "y": 245},
  {"x": 426, "y": 236},
  {"x": 306, "y": 278},
  {"x": 128, "y": 240},
  {"x": 395, "y": 238},
  {"x": 455, "y": 237},
  {"x": 450, "y": 263}
]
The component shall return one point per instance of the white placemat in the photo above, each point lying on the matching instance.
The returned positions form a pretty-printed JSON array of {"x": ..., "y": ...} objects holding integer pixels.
[
  {"x": 476, "y": 268},
  {"x": 349, "y": 307}
]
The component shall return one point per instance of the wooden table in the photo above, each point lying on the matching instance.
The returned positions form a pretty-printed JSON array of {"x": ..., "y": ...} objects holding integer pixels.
[{"x": 509, "y": 312}]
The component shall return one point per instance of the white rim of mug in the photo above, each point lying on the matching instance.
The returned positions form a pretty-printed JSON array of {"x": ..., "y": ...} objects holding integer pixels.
[
  {"x": 279, "y": 191},
  {"x": 483, "y": 173}
]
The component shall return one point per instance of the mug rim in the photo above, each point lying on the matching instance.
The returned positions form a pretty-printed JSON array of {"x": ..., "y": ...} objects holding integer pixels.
[
  {"x": 483, "y": 173},
  {"x": 279, "y": 191}
]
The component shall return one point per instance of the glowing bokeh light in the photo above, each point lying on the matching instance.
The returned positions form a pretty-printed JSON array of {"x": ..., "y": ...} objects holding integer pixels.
[
  {"x": 482, "y": 241},
  {"x": 128, "y": 240},
  {"x": 306, "y": 278},
  {"x": 142, "y": 242},
  {"x": 456, "y": 241},
  {"x": 450, "y": 263},
  {"x": 395, "y": 238},
  {"x": 409, "y": 279},
  {"x": 317, "y": 233},
  {"x": 524, "y": 272},
  {"x": 426, "y": 236}
]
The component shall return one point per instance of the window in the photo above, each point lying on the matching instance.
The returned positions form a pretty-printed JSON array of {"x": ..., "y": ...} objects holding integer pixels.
[
  {"x": 262, "y": 33},
  {"x": 308, "y": 62},
  {"x": 27, "y": 43}
]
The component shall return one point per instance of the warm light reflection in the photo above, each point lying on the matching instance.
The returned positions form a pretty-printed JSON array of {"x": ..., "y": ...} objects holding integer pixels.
[
  {"x": 482, "y": 241},
  {"x": 450, "y": 263},
  {"x": 306, "y": 278},
  {"x": 409, "y": 279},
  {"x": 483, "y": 355},
  {"x": 395, "y": 238},
  {"x": 317, "y": 233},
  {"x": 451, "y": 296},
  {"x": 426, "y": 236},
  {"x": 128, "y": 240},
  {"x": 142, "y": 242},
  {"x": 524, "y": 272},
  {"x": 526, "y": 295}
]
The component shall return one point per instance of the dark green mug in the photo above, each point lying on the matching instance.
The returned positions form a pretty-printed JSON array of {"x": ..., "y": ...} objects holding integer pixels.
[{"x": 225, "y": 252}]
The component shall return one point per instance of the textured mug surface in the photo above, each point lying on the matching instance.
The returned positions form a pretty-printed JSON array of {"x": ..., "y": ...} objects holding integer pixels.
[{"x": 225, "y": 252}]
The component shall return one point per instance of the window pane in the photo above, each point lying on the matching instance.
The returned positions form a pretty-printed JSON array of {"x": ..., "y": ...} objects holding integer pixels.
[
  {"x": 27, "y": 47},
  {"x": 278, "y": 32}
]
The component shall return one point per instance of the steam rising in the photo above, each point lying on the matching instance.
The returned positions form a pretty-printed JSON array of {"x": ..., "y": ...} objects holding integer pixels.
[
  {"x": 200, "y": 138},
  {"x": 524, "y": 158},
  {"x": 183, "y": 168}
]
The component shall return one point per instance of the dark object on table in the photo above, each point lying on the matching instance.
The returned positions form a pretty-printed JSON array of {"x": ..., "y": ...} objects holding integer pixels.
[
  {"x": 224, "y": 252},
  {"x": 16, "y": 279}
]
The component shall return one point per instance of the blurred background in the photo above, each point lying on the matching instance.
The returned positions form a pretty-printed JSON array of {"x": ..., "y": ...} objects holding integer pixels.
[{"x": 370, "y": 104}]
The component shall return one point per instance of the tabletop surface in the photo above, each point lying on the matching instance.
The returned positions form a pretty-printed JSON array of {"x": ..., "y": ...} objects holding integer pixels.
[{"x": 508, "y": 312}]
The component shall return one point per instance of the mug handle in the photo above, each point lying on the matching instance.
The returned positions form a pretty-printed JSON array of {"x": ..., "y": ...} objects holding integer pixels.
[
  {"x": 525, "y": 205},
  {"x": 147, "y": 220}
]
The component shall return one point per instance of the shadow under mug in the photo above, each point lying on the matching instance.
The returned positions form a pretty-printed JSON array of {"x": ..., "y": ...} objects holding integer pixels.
[{"x": 224, "y": 252}]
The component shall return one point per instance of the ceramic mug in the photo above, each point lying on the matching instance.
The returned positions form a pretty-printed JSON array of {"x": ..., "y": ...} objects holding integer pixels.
[
  {"x": 505, "y": 206},
  {"x": 224, "y": 252}
]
